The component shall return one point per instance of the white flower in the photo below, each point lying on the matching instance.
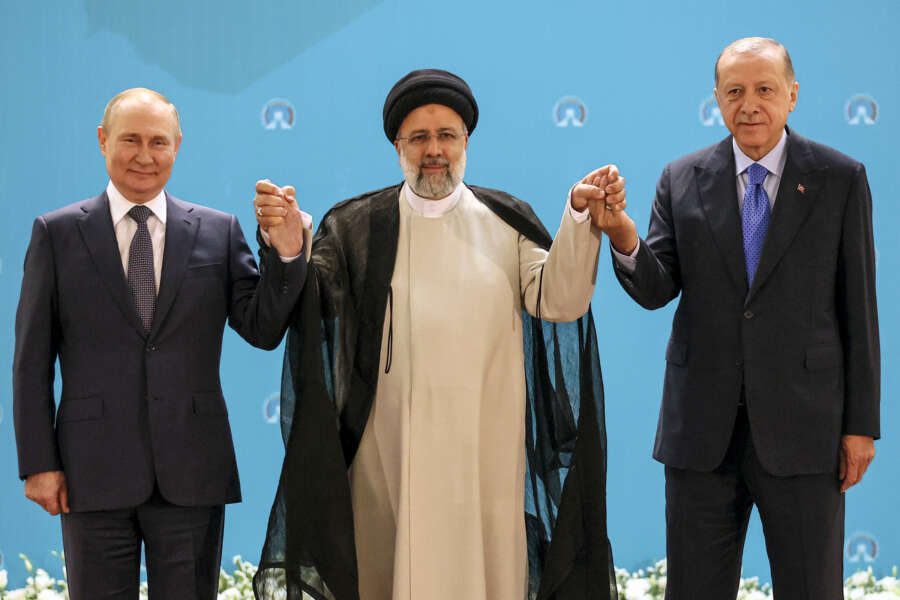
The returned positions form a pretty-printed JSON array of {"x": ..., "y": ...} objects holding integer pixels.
[
  {"x": 18, "y": 594},
  {"x": 42, "y": 581},
  {"x": 856, "y": 594},
  {"x": 230, "y": 594},
  {"x": 3, "y": 579},
  {"x": 859, "y": 578},
  {"x": 889, "y": 584},
  {"x": 637, "y": 589},
  {"x": 49, "y": 595}
]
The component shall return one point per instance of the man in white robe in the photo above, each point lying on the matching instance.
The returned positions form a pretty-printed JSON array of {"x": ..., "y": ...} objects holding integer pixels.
[{"x": 437, "y": 480}]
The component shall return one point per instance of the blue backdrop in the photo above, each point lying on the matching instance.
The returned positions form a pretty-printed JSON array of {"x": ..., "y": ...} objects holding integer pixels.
[{"x": 292, "y": 91}]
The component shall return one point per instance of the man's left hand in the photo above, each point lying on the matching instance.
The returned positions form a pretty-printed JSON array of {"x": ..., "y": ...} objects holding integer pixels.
[
  {"x": 857, "y": 452},
  {"x": 279, "y": 216}
]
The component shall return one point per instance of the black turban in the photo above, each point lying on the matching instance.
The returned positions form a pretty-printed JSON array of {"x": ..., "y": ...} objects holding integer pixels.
[{"x": 428, "y": 86}]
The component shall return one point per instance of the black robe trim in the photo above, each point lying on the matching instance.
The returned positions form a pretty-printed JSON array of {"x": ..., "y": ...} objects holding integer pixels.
[{"x": 331, "y": 369}]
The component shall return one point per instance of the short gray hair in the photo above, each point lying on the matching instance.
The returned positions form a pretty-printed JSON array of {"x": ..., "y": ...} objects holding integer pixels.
[{"x": 756, "y": 45}]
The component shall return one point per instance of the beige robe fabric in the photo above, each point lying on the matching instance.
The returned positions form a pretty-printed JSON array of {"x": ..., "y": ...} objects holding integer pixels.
[{"x": 438, "y": 480}]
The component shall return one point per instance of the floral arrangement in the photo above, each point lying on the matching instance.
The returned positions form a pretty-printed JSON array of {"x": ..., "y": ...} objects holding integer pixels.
[
  {"x": 650, "y": 584},
  {"x": 644, "y": 584}
]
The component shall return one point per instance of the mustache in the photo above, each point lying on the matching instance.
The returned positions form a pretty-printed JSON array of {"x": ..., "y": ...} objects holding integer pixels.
[{"x": 435, "y": 162}]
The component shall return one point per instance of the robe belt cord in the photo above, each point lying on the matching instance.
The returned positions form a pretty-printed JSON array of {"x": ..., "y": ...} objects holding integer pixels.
[{"x": 390, "y": 340}]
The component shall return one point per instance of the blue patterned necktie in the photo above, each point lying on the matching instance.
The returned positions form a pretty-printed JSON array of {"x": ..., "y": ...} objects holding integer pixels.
[
  {"x": 140, "y": 267},
  {"x": 755, "y": 217}
]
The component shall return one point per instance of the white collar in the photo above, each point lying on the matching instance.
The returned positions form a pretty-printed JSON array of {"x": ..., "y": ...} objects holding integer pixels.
[
  {"x": 119, "y": 205},
  {"x": 773, "y": 161},
  {"x": 432, "y": 209}
]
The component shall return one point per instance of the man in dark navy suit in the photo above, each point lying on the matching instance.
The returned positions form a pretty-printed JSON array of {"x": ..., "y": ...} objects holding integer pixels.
[
  {"x": 771, "y": 393},
  {"x": 131, "y": 291}
]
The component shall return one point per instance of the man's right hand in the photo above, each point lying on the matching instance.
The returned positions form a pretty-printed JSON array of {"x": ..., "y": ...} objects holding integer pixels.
[
  {"x": 49, "y": 490},
  {"x": 279, "y": 216},
  {"x": 604, "y": 189}
]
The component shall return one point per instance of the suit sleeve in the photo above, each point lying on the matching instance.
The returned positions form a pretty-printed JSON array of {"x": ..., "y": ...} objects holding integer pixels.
[
  {"x": 858, "y": 313},
  {"x": 261, "y": 301},
  {"x": 564, "y": 277},
  {"x": 36, "y": 349},
  {"x": 656, "y": 278}
]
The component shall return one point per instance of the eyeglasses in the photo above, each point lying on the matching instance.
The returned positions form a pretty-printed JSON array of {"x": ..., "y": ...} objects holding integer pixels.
[{"x": 445, "y": 137}]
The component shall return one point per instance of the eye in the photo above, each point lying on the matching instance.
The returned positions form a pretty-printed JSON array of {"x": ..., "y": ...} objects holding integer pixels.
[
  {"x": 764, "y": 89},
  {"x": 446, "y": 136},
  {"x": 734, "y": 92},
  {"x": 417, "y": 139}
]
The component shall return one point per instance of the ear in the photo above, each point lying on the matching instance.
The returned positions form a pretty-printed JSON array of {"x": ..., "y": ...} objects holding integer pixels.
[
  {"x": 397, "y": 147},
  {"x": 101, "y": 139},
  {"x": 716, "y": 94},
  {"x": 178, "y": 139},
  {"x": 795, "y": 88}
]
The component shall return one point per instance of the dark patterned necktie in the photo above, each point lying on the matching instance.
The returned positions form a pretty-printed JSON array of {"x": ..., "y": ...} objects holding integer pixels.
[
  {"x": 755, "y": 217},
  {"x": 140, "y": 267}
]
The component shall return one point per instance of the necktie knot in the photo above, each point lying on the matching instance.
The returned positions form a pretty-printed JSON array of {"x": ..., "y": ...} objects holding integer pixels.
[
  {"x": 140, "y": 214},
  {"x": 757, "y": 174}
]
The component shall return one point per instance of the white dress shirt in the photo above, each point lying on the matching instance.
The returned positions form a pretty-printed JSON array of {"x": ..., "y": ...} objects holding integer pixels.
[
  {"x": 126, "y": 227},
  {"x": 773, "y": 161}
]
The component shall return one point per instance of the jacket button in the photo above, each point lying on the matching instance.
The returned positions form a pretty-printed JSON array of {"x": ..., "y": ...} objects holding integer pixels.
[
  {"x": 151, "y": 348},
  {"x": 738, "y": 363},
  {"x": 748, "y": 314}
]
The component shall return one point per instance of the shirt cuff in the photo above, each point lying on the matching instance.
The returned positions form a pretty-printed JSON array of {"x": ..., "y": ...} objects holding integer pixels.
[
  {"x": 307, "y": 224},
  {"x": 579, "y": 216},
  {"x": 628, "y": 262}
]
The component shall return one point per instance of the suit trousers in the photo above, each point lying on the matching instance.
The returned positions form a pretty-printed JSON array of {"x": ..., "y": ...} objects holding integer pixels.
[
  {"x": 182, "y": 546},
  {"x": 706, "y": 523}
]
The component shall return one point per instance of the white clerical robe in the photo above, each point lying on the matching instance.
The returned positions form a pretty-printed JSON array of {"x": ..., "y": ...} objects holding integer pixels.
[{"x": 438, "y": 480}]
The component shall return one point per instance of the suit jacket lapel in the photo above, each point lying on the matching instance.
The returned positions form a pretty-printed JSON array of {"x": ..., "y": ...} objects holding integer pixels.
[
  {"x": 718, "y": 197},
  {"x": 181, "y": 233},
  {"x": 791, "y": 206},
  {"x": 99, "y": 236}
]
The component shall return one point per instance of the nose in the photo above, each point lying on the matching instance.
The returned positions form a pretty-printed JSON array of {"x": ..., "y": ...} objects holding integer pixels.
[
  {"x": 144, "y": 156},
  {"x": 433, "y": 148},
  {"x": 750, "y": 105}
]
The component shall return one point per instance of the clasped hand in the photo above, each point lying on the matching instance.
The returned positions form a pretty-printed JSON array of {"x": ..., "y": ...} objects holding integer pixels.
[
  {"x": 278, "y": 214},
  {"x": 602, "y": 191}
]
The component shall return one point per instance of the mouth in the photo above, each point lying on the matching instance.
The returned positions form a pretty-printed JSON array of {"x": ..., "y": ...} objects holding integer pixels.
[{"x": 435, "y": 167}]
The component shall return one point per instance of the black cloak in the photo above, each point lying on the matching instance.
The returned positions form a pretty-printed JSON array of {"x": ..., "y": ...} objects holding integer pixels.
[{"x": 330, "y": 373}]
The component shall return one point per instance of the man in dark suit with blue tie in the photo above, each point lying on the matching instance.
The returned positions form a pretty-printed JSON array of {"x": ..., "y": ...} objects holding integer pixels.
[
  {"x": 131, "y": 291},
  {"x": 771, "y": 393}
]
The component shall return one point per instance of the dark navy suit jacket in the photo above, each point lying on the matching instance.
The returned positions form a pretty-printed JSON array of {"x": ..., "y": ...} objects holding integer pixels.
[
  {"x": 801, "y": 344},
  {"x": 138, "y": 409}
]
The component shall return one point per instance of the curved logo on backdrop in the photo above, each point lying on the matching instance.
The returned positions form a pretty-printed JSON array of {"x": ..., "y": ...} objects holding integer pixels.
[
  {"x": 861, "y": 109},
  {"x": 271, "y": 409},
  {"x": 569, "y": 111},
  {"x": 861, "y": 547},
  {"x": 710, "y": 115},
  {"x": 278, "y": 113}
]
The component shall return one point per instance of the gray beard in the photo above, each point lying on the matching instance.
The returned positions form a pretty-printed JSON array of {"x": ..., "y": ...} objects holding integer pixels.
[{"x": 433, "y": 187}]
